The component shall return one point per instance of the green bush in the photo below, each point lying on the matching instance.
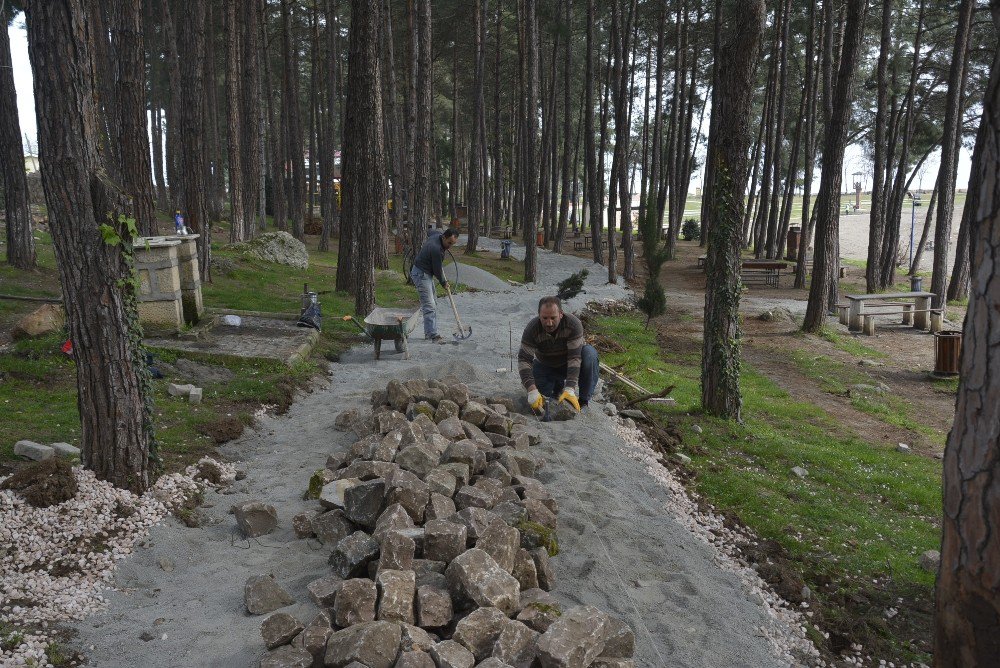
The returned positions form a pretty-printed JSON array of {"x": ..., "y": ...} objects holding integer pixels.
[{"x": 691, "y": 230}]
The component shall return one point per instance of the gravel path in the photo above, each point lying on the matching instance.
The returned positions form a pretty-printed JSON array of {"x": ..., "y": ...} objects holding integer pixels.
[{"x": 629, "y": 540}]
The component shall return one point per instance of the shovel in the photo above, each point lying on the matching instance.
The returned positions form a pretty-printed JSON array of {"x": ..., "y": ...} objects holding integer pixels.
[{"x": 463, "y": 332}]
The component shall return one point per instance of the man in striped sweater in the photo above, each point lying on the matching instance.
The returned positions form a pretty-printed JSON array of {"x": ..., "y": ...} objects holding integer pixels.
[{"x": 554, "y": 361}]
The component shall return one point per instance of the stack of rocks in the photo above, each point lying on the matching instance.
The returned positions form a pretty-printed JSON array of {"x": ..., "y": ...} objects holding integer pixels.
[{"x": 441, "y": 538}]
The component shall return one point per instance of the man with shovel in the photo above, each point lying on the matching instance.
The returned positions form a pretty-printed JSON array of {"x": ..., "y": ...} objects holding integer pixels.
[
  {"x": 428, "y": 265},
  {"x": 554, "y": 361}
]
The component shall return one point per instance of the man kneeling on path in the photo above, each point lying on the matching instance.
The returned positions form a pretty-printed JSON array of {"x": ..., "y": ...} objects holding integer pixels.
[
  {"x": 428, "y": 265},
  {"x": 554, "y": 360}
]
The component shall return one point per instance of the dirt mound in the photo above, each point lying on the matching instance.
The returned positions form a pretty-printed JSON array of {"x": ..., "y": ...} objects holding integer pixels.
[
  {"x": 223, "y": 429},
  {"x": 276, "y": 247},
  {"x": 44, "y": 484}
]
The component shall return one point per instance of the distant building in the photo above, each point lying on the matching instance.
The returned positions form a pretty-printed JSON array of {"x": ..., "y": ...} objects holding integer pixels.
[{"x": 31, "y": 164}]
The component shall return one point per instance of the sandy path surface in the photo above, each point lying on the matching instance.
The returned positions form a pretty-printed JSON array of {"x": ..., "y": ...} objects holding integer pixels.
[
  {"x": 854, "y": 237},
  {"x": 622, "y": 548}
]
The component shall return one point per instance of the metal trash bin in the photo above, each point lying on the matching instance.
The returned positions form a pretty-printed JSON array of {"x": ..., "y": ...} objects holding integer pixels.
[
  {"x": 916, "y": 283},
  {"x": 505, "y": 249},
  {"x": 947, "y": 352}
]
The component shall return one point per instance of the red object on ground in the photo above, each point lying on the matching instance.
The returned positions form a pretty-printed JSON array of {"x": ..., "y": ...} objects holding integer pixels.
[{"x": 68, "y": 347}]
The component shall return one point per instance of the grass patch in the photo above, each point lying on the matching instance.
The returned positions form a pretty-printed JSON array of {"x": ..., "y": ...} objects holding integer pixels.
[
  {"x": 854, "y": 526},
  {"x": 508, "y": 270},
  {"x": 850, "y": 345}
]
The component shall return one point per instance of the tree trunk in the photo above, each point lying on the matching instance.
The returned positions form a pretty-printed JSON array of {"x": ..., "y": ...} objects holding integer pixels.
[
  {"x": 237, "y": 217},
  {"x": 364, "y": 187},
  {"x": 313, "y": 115},
  {"x": 276, "y": 145},
  {"x": 827, "y": 261},
  {"x": 876, "y": 229},
  {"x": 590, "y": 150},
  {"x": 967, "y": 610},
  {"x": 174, "y": 123},
  {"x": 253, "y": 161},
  {"x": 113, "y": 395},
  {"x": 528, "y": 46},
  {"x": 130, "y": 124},
  {"x": 949, "y": 154},
  {"x": 154, "y": 48},
  {"x": 191, "y": 33},
  {"x": 20, "y": 236},
  {"x": 212, "y": 160},
  {"x": 918, "y": 250},
  {"x": 771, "y": 242},
  {"x": 730, "y": 142},
  {"x": 564, "y": 189},
  {"x": 422, "y": 208},
  {"x": 958, "y": 286},
  {"x": 496, "y": 217},
  {"x": 476, "y": 173},
  {"x": 296, "y": 198},
  {"x": 810, "y": 89},
  {"x": 331, "y": 207},
  {"x": 453, "y": 173}
]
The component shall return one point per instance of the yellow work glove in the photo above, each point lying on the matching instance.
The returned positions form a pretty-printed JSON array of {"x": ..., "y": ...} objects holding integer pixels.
[
  {"x": 536, "y": 400},
  {"x": 569, "y": 396}
]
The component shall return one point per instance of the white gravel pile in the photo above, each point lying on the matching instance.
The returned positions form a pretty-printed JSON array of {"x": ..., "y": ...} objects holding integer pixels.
[
  {"x": 55, "y": 561},
  {"x": 788, "y": 632}
]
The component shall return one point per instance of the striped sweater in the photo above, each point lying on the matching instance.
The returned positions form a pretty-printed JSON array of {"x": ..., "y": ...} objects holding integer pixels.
[{"x": 559, "y": 349}]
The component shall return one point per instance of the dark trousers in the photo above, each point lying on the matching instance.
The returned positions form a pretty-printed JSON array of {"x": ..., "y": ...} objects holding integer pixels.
[{"x": 550, "y": 380}]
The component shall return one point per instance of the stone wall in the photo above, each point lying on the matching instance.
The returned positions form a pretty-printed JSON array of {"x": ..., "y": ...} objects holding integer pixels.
[{"x": 156, "y": 263}]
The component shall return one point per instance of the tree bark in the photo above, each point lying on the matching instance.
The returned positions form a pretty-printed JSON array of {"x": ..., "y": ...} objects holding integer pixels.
[
  {"x": 423, "y": 206},
  {"x": 811, "y": 90},
  {"x": 20, "y": 236},
  {"x": 958, "y": 286},
  {"x": 212, "y": 160},
  {"x": 96, "y": 276},
  {"x": 528, "y": 45},
  {"x": 730, "y": 142},
  {"x": 364, "y": 187},
  {"x": 826, "y": 262},
  {"x": 565, "y": 188},
  {"x": 174, "y": 150},
  {"x": 949, "y": 154},
  {"x": 191, "y": 33},
  {"x": 967, "y": 610},
  {"x": 876, "y": 229},
  {"x": 130, "y": 124},
  {"x": 237, "y": 217},
  {"x": 331, "y": 206},
  {"x": 292, "y": 114},
  {"x": 253, "y": 166},
  {"x": 476, "y": 173},
  {"x": 590, "y": 149}
]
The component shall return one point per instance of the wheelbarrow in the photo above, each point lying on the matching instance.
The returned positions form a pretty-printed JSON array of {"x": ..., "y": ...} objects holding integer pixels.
[{"x": 387, "y": 324}]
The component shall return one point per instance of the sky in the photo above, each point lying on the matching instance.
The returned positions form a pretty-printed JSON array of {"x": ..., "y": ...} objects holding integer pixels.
[{"x": 854, "y": 160}]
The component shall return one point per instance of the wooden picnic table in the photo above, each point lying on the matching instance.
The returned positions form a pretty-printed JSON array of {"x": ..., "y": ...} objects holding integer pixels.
[
  {"x": 769, "y": 270},
  {"x": 921, "y": 307}
]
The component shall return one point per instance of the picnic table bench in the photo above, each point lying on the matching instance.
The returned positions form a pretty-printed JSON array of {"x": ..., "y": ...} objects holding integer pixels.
[
  {"x": 586, "y": 243},
  {"x": 918, "y": 314},
  {"x": 767, "y": 272}
]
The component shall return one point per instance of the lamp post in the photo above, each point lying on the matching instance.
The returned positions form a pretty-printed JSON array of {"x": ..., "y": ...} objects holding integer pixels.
[{"x": 914, "y": 203}]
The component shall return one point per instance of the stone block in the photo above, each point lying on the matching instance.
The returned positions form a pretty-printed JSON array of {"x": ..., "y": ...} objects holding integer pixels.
[
  {"x": 65, "y": 450},
  {"x": 33, "y": 451},
  {"x": 546, "y": 576},
  {"x": 262, "y": 595},
  {"x": 444, "y": 540},
  {"x": 255, "y": 518},
  {"x": 452, "y": 429},
  {"x": 396, "y": 592},
  {"x": 419, "y": 459},
  {"x": 195, "y": 396},
  {"x": 397, "y": 552},
  {"x": 476, "y": 520},
  {"x": 414, "y": 659},
  {"x": 351, "y": 556},
  {"x": 332, "y": 526},
  {"x": 323, "y": 591},
  {"x": 433, "y": 607},
  {"x": 279, "y": 629},
  {"x": 355, "y": 602},
  {"x": 516, "y": 644},
  {"x": 479, "y": 630},
  {"x": 524, "y": 570},
  {"x": 287, "y": 656},
  {"x": 439, "y": 507},
  {"x": 620, "y": 643},
  {"x": 474, "y": 576},
  {"x": 364, "y": 502},
  {"x": 332, "y": 494},
  {"x": 501, "y": 542},
  {"x": 574, "y": 640},
  {"x": 372, "y": 644},
  {"x": 450, "y": 654}
]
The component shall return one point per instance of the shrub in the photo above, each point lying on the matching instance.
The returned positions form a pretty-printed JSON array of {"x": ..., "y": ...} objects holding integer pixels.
[{"x": 691, "y": 230}]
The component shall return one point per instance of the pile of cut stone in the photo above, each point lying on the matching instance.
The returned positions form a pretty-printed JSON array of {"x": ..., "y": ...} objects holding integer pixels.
[{"x": 441, "y": 538}]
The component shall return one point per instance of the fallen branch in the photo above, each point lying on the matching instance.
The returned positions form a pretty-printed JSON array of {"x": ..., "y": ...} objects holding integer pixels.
[
  {"x": 651, "y": 397},
  {"x": 648, "y": 396}
]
